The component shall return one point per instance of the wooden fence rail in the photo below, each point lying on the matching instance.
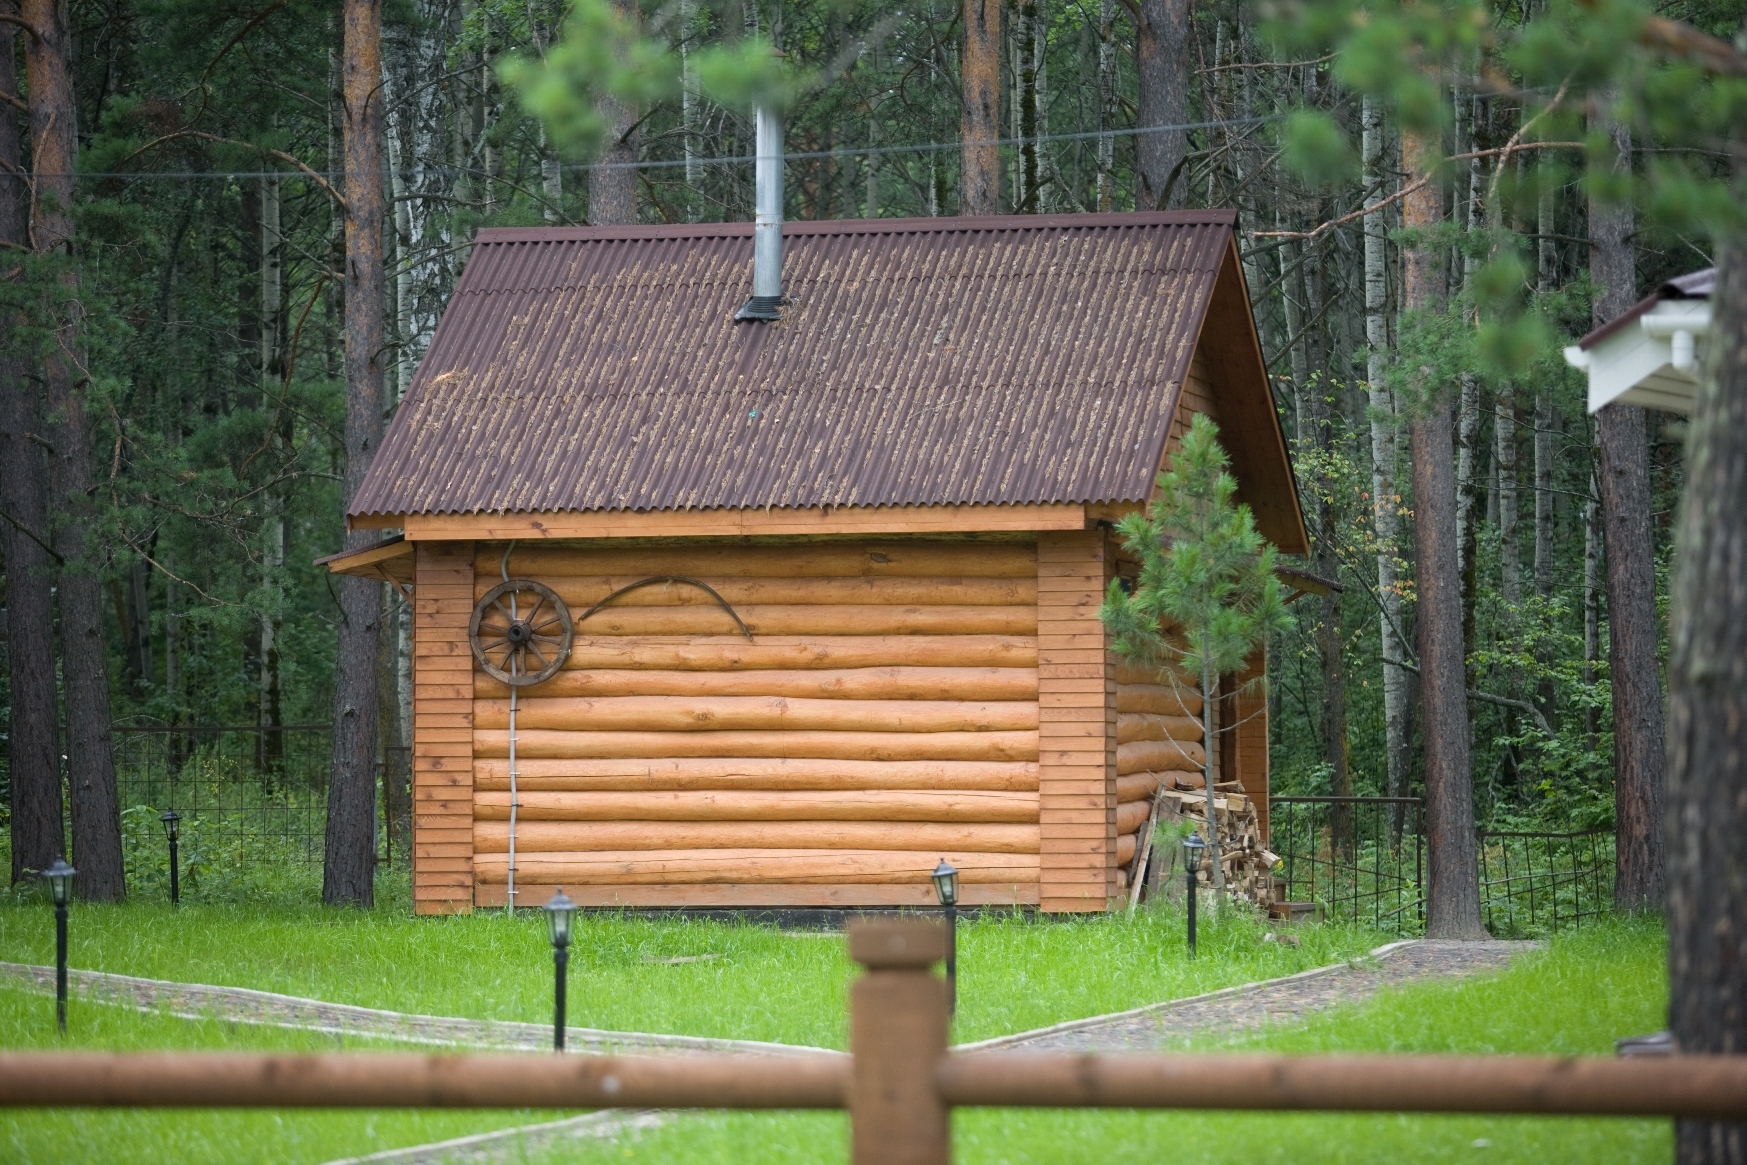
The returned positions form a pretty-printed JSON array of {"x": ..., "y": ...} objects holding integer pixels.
[{"x": 899, "y": 1083}]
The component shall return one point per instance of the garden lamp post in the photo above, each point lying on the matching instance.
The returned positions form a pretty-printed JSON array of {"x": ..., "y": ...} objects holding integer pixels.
[
  {"x": 170, "y": 817},
  {"x": 60, "y": 877},
  {"x": 560, "y": 912},
  {"x": 1192, "y": 847},
  {"x": 946, "y": 889}
]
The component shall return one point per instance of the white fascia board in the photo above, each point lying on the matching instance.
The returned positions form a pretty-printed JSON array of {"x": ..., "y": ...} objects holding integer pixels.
[{"x": 1634, "y": 366}]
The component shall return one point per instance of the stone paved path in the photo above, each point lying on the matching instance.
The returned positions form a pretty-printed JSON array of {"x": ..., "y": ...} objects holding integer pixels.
[
  {"x": 1234, "y": 1010},
  {"x": 240, "y": 1005}
]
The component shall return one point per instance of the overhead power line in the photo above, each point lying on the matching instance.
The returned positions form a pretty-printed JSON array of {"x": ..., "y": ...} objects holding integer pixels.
[{"x": 726, "y": 160}]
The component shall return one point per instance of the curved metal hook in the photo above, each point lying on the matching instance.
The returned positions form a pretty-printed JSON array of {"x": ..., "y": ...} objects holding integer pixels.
[{"x": 678, "y": 578}]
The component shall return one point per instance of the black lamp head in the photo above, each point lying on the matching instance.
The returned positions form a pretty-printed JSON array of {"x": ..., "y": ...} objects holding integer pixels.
[
  {"x": 170, "y": 817},
  {"x": 60, "y": 876},
  {"x": 560, "y": 911},
  {"x": 945, "y": 883}
]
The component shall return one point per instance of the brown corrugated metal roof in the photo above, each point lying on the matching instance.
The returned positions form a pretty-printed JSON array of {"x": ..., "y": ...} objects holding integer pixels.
[{"x": 996, "y": 360}]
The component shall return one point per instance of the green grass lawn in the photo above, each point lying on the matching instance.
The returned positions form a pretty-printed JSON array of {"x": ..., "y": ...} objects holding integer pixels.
[
  {"x": 1015, "y": 973},
  {"x": 1575, "y": 998},
  {"x": 27, "y": 1020}
]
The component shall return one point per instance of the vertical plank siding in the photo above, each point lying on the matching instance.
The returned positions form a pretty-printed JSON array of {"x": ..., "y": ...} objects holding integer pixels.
[
  {"x": 442, "y": 770},
  {"x": 1076, "y": 725},
  {"x": 884, "y": 715}
]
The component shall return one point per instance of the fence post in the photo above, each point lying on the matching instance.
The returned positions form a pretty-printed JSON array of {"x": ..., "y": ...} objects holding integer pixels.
[{"x": 897, "y": 1035}]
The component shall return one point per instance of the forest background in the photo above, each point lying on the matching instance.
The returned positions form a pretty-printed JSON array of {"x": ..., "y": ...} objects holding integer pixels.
[{"x": 207, "y": 247}]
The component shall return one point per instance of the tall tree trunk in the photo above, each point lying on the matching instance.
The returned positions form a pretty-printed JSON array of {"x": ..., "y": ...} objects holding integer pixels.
[
  {"x": 349, "y": 859},
  {"x": 1162, "y": 64},
  {"x": 272, "y": 302},
  {"x": 1315, "y": 399},
  {"x": 1504, "y": 453},
  {"x": 1591, "y": 596},
  {"x": 1707, "y": 680},
  {"x": 1468, "y": 415},
  {"x": 84, "y": 649},
  {"x": 1104, "y": 192},
  {"x": 612, "y": 183},
  {"x": 1385, "y": 507},
  {"x": 980, "y": 117},
  {"x": 38, "y": 829},
  {"x": 1629, "y": 545},
  {"x": 1453, "y": 893}
]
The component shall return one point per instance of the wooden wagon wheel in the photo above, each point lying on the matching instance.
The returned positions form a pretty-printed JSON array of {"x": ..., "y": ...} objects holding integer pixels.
[{"x": 520, "y": 632}]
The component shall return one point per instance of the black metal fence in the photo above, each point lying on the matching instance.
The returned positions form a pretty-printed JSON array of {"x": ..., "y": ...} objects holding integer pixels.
[
  {"x": 249, "y": 797},
  {"x": 1362, "y": 859},
  {"x": 1359, "y": 858}
]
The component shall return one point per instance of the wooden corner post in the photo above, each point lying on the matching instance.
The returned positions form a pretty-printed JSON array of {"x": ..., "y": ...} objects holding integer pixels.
[
  {"x": 897, "y": 1035},
  {"x": 1076, "y": 725},
  {"x": 442, "y": 807}
]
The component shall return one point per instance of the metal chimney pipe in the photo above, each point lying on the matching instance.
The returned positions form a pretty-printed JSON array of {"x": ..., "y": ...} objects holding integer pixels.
[{"x": 767, "y": 230}]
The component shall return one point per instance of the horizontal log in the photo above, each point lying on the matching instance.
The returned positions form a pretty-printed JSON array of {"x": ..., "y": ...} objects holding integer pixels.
[
  {"x": 979, "y": 746},
  {"x": 796, "y": 805},
  {"x": 814, "y": 620},
  {"x": 1130, "y": 815},
  {"x": 878, "y": 559},
  {"x": 537, "y": 837},
  {"x": 863, "y": 683},
  {"x": 1158, "y": 699},
  {"x": 734, "y": 653},
  {"x": 756, "y": 713},
  {"x": 681, "y": 774},
  {"x": 580, "y": 592},
  {"x": 419, "y": 1080},
  {"x": 770, "y": 894},
  {"x": 1688, "y": 1086},
  {"x": 1156, "y": 756},
  {"x": 1132, "y": 726},
  {"x": 1141, "y": 786},
  {"x": 1125, "y": 846},
  {"x": 1128, "y": 672},
  {"x": 754, "y": 866}
]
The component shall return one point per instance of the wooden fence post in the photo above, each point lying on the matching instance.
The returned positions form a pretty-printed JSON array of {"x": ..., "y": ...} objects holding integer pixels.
[{"x": 897, "y": 1035}]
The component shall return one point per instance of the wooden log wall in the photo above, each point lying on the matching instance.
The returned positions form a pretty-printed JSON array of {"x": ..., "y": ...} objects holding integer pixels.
[
  {"x": 442, "y": 728},
  {"x": 884, "y": 716}
]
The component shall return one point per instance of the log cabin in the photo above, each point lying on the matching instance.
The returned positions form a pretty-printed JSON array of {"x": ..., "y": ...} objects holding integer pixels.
[{"x": 831, "y": 579}]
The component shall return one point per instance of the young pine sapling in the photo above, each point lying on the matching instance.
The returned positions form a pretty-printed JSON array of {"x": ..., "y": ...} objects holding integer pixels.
[{"x": 1206, "y": 597}]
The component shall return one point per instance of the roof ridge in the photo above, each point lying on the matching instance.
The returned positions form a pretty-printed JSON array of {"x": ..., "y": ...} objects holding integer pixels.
[{"x": 488, "y": 236}]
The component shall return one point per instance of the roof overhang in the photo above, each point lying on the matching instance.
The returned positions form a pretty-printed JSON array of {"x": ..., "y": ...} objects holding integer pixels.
[
  {"x": 1652, "y": 355},
  {"x": 389, "y": 561}
]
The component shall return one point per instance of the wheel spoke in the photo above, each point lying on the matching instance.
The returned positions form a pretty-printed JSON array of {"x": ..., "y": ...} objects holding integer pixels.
[
  {"x": 554, "y": 640},
  {"x": 535, "y": 652},
  {"x": 508, "y": 614},
  {"x": 554, "y": 621}
]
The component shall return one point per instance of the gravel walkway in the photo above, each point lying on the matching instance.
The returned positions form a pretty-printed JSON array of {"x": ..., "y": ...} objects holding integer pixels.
[
  {"x": 240, "y": 1005},
  {"x": 1163, "y": 1026},
  {"x": 514, "y": 1144}
]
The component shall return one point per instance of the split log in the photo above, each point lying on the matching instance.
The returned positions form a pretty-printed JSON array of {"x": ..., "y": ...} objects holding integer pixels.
[
  {"x": 733, "y": 653},
  {"x": 865, "y": 683},
  {"x": 755, "y": 713},
  {"x": 491, "y": 837},
  {"x": 754, "y": 866},
  {"x": 1006, "y": 559},
  {"x": 680, "y": 774},
  {"x": 1131, "y": 814},
  {"x": 1133, "y": 726},
  {"x": 1157, "y": 756},
  {"x": 815, "y": 620},
  {"x": 1158, "y": 700},
  {"x": 583, "y": 591},
  {"x": 978, "y": 746},
  {"x": 837, "y": 805}
]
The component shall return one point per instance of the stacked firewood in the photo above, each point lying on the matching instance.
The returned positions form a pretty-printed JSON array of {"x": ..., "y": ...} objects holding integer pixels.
[{"x": 1249, "y": 866}]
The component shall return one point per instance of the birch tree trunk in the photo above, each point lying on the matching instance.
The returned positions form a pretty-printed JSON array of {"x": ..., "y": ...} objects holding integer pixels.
[
  {"x": 1707, "y": 784},
  {"x": 1453, "y": 892},
  {"x": 84, "y": 649},
  {"x": 980, "y": 117},
  {"x": 37, "y": 827},
  {"x": 1385, "y": 506},
  {"x": 349, "y": 859},
  {"x": 1106, "y": 180},
  {"x": 1624, "y": 476}
]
